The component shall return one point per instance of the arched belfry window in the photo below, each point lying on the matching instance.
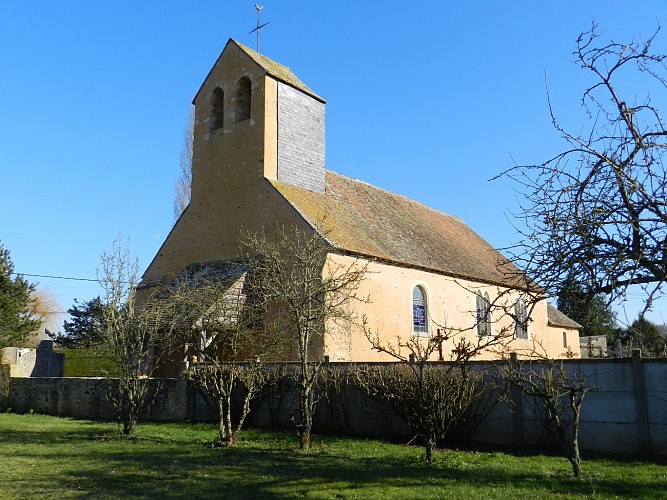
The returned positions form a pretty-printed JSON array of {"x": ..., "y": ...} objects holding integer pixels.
[
  {"x": 419, "y": 310},
  {"x": 217, "y": 109},
  {"x": 242, "y": 109}
]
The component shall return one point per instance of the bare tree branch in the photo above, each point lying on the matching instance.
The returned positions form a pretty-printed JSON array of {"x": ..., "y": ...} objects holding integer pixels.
[{"x": 598, "y": 210}]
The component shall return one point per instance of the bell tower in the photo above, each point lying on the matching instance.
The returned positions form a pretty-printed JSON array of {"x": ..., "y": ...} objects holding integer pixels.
[
  {"x": 254, "y": 119},
  {"x": 255, "y": 122}
]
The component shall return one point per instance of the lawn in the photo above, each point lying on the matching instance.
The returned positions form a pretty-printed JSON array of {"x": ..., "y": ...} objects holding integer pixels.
[{"x": 49, "y": 457}]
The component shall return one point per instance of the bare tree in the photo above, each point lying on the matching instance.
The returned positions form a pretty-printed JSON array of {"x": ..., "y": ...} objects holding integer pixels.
[
  {"x": 229, "y": 336},
  {"x": 184, "y": 181},
  {"x": 598, "y": 210},
  {"x": 131, "y": 335},
  {"x": 560, "y": 396},
  {"x": 433, "y": 398},
  {"x": 305, "y": 290}
]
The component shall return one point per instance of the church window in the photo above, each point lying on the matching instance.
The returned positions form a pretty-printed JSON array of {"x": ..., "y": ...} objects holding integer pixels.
[
  {"x": 520, "y": 320},
  {"x": 243, "y": 89},
  {"x": 217, "y": 109},
  {"x": 483, "y": 316},
  {"x": 419, "y": 310}
]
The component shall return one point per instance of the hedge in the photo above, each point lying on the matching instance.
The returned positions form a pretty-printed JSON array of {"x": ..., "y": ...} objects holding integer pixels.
[{"x": 88, "y": 363}]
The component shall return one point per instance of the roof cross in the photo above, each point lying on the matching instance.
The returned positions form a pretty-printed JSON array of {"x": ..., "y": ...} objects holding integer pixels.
[{"x": 259, "y": 26}]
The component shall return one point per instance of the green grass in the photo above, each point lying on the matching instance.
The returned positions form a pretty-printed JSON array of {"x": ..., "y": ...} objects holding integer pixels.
[{"x": 49, "y": 457}]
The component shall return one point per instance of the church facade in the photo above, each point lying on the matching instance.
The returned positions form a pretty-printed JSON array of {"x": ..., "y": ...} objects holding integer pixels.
[{"x": 259, "y": 163}]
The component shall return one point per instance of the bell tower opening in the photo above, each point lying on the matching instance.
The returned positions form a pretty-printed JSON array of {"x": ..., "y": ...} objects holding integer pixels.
[
  {"x": 217, "y": 99},
  {"x": 243, "y": 100}
]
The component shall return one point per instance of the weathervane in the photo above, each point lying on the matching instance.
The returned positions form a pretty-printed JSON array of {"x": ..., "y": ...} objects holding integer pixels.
[{"x": 259, "y": 27}]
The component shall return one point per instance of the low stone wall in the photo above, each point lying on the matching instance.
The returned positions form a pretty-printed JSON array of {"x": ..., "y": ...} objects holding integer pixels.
[
  {"x": 85, "y": 398},
  {"x": 625, "y": 413}
]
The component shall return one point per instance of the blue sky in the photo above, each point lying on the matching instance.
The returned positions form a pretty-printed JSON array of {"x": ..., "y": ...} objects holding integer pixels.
[{"x": 428, "y": 99}]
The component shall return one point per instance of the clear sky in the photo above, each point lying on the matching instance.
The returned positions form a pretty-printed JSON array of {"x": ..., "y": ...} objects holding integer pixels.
[{"x": 428, "y": 99}]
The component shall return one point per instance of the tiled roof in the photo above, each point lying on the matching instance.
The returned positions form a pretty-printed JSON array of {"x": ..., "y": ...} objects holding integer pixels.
[
  {"x": 366, "y": 220},
  {"x": 557, "y": 318},
  {"x": 278, "y": 71},
  {"x": 221, "y": 270}
]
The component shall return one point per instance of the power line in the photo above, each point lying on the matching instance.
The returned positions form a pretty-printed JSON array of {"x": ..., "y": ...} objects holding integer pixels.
[{"x": 56, "y": 277}]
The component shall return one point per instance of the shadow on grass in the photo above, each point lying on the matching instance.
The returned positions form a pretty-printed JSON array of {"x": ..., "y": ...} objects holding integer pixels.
[
  {"x": 202, "y": 472},
  {"x": 157, "y": 462}
]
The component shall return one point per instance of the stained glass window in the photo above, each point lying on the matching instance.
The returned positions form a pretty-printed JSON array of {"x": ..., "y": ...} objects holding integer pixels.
[{"x": 419, "y": 310}]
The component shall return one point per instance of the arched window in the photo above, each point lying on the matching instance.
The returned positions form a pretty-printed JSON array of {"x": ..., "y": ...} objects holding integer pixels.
[
  {"x": 483, "y": 316},
  {"x": 520, "y": 320},
  {"x": 242, "y": 110},
  {"x": 217, "y": 109},
  {"x": 565, "y": 340},
  {"x": 419, "y": 310}
]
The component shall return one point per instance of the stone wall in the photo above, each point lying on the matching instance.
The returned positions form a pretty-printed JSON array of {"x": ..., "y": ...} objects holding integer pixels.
[
  {"x": 84, "y": 397},
  {"x": 625, "y": 413}
]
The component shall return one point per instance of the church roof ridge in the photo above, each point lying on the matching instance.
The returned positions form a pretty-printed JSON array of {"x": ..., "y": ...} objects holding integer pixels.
[{"x": 277, "y": 70}]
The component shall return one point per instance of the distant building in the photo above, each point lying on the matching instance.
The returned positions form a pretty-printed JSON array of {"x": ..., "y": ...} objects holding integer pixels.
[{"x": 259, "y": 162}]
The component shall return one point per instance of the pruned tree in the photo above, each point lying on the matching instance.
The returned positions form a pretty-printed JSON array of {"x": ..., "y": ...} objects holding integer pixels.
[
  {"x": 304, "y": 291},
  {"x": 559, "y": 396},
  {"x": 229, "y": 336},
  {"x": 598, "y": 209},
  {"x": 433, "y": 398},
  {"x": 17, "y": 318},
  {"x": 138, "y": 339},
  {"x": 184, "y": 181}
]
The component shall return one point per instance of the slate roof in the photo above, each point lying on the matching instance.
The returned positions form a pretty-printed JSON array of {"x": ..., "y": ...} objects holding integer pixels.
[
  {"x": 365, "y": 220},
  {"x": 557, "y": 318}
]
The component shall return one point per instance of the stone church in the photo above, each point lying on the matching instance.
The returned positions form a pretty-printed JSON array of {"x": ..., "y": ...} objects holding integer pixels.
[{"x": 259, "y": 162}]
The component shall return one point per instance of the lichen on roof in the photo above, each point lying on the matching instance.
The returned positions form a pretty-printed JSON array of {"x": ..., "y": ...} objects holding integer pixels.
[
  {"x": 362, "y": 219},
  {"x": 278, "y": 71}
]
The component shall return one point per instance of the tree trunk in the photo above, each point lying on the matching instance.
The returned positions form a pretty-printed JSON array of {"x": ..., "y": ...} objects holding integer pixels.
[
  {"x": 429, "y": 437},
  {"x": 304, "y": 440},
  {"x": 225, "y": 434}
]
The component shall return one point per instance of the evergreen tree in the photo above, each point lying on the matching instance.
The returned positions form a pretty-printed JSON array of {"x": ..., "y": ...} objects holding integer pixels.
[
  {"x": 589, "y": 310},
  {"x": 85, "y": 328},
  {"x": 16, "y": 319},
  {"x": 645, "y": 335}
]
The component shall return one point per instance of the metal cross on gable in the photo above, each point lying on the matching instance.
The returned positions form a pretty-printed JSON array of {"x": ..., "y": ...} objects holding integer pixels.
[{"x": 259, "y": 26}]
